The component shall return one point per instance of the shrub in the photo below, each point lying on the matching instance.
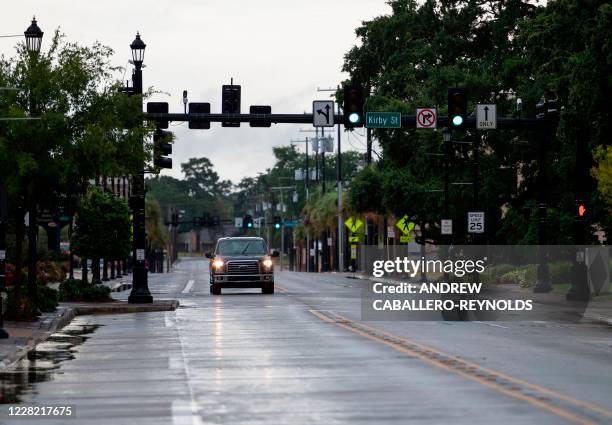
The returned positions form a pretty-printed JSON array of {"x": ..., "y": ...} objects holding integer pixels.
[
  {"x": 49, "y": 271},
  {"x": 76, "y": 290},
  {"x": 515, "y": 277},
  {"x": 21, "y": 309},
  {"x": 95, "y": 293},
  {"x": 69, "y": 290},
  {"x": 47, "y": 299},
  {"x": 497, "y": 271}
]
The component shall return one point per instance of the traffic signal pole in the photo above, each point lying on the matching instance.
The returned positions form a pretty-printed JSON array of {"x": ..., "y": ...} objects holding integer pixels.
[
  {"x": 340, "y": 233},
  {"x": 408, "y": 121},
  {"x": 140, "y": 287}
]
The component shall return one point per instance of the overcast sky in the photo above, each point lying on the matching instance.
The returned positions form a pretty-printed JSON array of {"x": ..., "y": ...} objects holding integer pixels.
[{"x": 279, "y": 51}]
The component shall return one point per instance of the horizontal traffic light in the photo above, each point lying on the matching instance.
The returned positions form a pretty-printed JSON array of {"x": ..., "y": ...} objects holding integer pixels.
[{"x": 158, "y": 108}]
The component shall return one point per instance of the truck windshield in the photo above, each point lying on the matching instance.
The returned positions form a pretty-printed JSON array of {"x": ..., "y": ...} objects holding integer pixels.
[{"x": 241, "y": 247}]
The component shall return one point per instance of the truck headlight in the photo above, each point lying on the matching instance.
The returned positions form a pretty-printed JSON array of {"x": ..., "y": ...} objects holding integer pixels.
[
  {"x": 267, "y": 263},
  {"x": 218, "y": 264}
]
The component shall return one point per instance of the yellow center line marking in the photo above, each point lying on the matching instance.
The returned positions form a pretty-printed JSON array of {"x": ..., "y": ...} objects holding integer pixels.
[
  {"x": 280, "y": 288},
  {"x": 535, "y": 387},
  {"x": 467, "y": 370}
]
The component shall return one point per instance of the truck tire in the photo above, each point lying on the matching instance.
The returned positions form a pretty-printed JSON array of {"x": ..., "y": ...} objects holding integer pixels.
[
  {"x": 215, "y": 289},
  {"x": 268, "y": 289}
]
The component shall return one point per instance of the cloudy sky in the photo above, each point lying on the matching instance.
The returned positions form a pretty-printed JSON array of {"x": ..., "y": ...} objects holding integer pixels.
[{"x": 279, "y": 51}]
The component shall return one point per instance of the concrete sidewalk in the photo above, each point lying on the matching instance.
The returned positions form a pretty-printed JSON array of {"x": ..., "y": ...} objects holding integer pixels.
[{"x": 24, "y": 336}]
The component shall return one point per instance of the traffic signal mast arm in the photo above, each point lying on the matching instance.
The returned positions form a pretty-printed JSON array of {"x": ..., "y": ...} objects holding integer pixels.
[{"x": 408, "y": 121}]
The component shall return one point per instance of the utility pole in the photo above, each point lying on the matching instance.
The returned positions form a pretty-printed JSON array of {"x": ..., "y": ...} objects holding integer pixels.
[
  {"x": 340, "y": 231},
  {"x": 543, "y": 275}
]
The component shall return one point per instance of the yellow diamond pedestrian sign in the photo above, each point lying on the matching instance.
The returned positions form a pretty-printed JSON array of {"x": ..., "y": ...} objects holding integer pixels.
[
  {"x": 405, "y": 225},
  {"x": 353, "y": 224}
]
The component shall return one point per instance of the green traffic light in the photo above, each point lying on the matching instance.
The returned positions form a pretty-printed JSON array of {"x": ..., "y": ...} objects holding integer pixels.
[
  {"x": 249, "y": 225},
  {"x": 457, "y": 120},
  {"x": 354, "y": 118},
  {"x": 277, "y": 226}
]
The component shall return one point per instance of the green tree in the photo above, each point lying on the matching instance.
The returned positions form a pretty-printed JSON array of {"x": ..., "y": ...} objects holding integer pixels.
[
  {"x": 103, "y": 227},
  {"x": 86, "y": 128},
  {"x": 157, "y": 235},
  {"x": 603, "y": 173},
  {"x": 496, "y": 50}
]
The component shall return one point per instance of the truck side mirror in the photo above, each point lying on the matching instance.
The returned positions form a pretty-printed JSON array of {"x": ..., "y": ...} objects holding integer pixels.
[
  {"x": 208, "y": 255},
  {"x": 275, "y": 253}
]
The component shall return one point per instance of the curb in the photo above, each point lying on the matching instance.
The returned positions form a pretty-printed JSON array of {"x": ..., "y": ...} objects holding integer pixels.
[
  {"x": 70, "y": 310},
  {"x": 119, "y": 286},
  {"x": 56, "y": 324},
  {"x": 119, "y": 307},
  {"x": 597, "y": 318}
]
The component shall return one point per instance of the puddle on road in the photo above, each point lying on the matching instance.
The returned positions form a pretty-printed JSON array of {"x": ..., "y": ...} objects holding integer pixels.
[{"x": 41, "y": 364}]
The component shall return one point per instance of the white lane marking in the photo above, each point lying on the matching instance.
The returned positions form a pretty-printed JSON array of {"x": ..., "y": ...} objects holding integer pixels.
[
  {"x": 169, "y": 320},
  {"x": 491, "y": 324},
  {"x": 188, "y": 286}
]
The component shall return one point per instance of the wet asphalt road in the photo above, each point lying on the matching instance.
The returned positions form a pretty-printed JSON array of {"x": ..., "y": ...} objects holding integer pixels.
[{"x": 302, "y": 356}]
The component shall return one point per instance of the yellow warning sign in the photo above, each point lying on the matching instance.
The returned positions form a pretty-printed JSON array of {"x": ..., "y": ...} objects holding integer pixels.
[
  {"x": 354, "y": 239},
  {"x": 406, "y": 239},
  {"x": 405, "y": 225},
  {"x": 353, "y": 224},
  {"x": 353, "y": 252}
]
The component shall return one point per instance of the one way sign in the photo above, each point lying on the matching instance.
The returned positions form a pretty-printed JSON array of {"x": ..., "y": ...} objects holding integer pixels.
[
  {"x": 323, "y": 113},
  {"x": 486, "y": 117}
]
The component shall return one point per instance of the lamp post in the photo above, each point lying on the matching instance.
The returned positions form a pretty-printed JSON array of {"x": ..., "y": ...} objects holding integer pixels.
[
  {"x": 33, "y": 36},
  {"x": 140, "y": 288}
]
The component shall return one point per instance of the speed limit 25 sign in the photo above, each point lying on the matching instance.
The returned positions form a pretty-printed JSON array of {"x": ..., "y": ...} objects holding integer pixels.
[{"x": 476, "y": 222}]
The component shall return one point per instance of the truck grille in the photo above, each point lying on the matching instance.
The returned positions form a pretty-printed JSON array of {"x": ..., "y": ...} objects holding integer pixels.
[{"x": 242, "y": 267}]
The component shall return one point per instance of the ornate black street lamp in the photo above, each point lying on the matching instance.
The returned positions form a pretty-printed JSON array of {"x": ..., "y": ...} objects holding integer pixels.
[
  {"x": 33, "y": 36},
  {"x": 140, "y": 287}
]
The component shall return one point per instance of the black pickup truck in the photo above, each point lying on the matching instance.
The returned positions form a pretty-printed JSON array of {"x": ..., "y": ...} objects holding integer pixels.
[{"x": 241, "y": 262}]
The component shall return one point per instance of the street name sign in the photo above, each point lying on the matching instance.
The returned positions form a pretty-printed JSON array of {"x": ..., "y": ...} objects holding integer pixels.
[
  {"x": 476, "y": 222},
  {"x": 426, "y": 118},
  {"x": 486, "y": 117},
  {"x": 446, "y": 227},
  {"x": 383, "y": 120},
  {"x": 323, "y": 113},
  {"x": 353, "y": 224}
]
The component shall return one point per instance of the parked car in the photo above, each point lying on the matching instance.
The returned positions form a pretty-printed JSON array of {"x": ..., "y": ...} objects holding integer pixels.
[{"x": 241, "y": 262}]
